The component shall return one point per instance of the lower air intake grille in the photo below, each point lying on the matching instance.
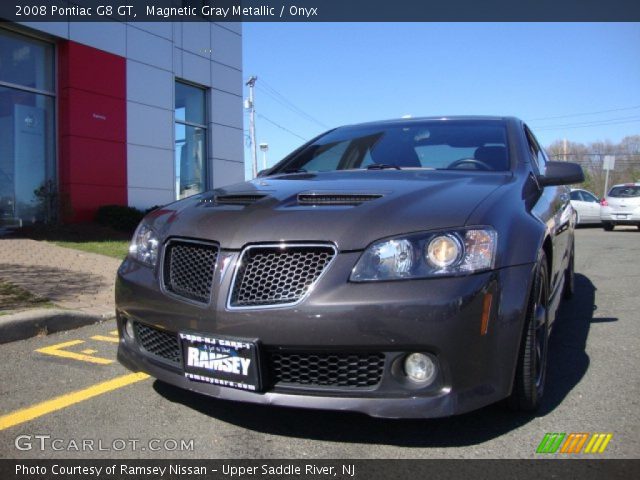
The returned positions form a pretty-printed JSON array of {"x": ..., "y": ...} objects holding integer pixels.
[
  {"x": 158, "y": 342},
  {"x": 278, "y": 275},
  {"x": 327, "y": 369},
  {"x": 188, "y": 269}
]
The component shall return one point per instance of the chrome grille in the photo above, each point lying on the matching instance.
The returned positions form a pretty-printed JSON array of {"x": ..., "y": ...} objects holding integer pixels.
[
  {"x": 158, "y": 342},
  {"x": 278, "y": 275},
  {"x": 188, "y": 269},
  {"x": 327, "y": 369}
]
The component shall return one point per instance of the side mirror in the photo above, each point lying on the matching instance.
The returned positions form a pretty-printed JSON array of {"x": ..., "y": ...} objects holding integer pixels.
[{"x": 561, "y": 173}]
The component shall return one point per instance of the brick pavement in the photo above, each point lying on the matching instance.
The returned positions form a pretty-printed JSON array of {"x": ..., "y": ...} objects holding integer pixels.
[{"x": 70, "y": 278}]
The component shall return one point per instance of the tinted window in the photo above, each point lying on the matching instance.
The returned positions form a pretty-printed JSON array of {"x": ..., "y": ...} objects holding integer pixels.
[
  {"x": 625, "y": 191},
  {"x": 538, "y": 156},
  {"x": 473, "y": 146},
  {"x": 576, "y": 195},
  {"x": 588, "y": 197}
]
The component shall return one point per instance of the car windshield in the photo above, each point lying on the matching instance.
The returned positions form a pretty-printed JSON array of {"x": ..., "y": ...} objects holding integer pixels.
[
  {"x": 625, "y": 191},
  {"x": 442, "y": 145}
]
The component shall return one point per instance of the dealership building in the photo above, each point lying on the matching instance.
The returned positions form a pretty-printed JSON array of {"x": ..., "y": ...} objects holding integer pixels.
[{"x": 137, "y": 114}]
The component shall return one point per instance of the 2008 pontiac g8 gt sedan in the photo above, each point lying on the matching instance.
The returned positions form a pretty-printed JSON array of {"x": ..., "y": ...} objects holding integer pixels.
[{"x": 405, "y": 268}]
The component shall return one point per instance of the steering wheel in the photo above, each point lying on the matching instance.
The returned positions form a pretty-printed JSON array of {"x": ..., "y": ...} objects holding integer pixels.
[{"x": 472, "y": 161}]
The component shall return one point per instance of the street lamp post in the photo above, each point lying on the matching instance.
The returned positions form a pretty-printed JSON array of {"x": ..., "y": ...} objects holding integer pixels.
[{"x": 264, "y": 147}]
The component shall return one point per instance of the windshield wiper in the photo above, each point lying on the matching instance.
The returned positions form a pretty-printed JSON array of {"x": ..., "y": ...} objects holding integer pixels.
[
  {"x": 382, "y": 166},
  {"x": 294, "y": 170}
]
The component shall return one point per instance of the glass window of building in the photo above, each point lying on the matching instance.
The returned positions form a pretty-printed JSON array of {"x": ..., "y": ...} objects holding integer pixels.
[
  {"x": 190, "y": 140},
  {"x": 27, "y": 122}
]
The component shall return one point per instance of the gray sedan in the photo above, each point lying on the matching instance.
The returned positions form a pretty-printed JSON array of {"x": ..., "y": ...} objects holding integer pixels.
[{"x": 401, "y": 269}]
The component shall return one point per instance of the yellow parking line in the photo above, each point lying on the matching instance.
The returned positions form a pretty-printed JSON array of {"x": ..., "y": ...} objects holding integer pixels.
[
  {"x": 57, "y": 350},
  {"x": 102, "y": 338},
  {"x": 113, "y": 332},
  {"x": 63, "y": 401}
]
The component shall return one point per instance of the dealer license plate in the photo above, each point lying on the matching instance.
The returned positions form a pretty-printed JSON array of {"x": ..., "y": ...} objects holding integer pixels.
[{"x": 224, "y": 361}]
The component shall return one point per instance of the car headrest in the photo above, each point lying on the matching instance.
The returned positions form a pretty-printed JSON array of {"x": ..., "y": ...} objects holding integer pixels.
[{"x": 494, "y": 156}]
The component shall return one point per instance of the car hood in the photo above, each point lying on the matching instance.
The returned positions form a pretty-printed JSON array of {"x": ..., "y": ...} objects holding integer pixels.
[{"x": 348, "y": 208}]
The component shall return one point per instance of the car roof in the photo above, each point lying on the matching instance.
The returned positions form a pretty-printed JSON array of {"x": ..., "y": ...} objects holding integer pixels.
[
  {"x": 445, "y": 118},
  {"x": 629, "y": 184}
]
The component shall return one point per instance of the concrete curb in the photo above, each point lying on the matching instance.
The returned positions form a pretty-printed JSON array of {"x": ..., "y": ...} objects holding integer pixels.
[{"x": 30, "y": 323}]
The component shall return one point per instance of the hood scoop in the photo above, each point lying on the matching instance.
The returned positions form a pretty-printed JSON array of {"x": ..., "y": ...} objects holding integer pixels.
[
  {"x": 349, "y": 199},
  {"x": 238, "y": 199}
]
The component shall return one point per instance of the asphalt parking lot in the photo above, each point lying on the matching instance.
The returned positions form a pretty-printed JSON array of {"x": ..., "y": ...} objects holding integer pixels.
[{"x": 65, "y": 396}]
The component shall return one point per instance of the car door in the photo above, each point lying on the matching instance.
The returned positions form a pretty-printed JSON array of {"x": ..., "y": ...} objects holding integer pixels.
[
  {"x": 580, "y": 206},
  {"x": 591, "y": 206},
  {"x": 559, "y": 223}
]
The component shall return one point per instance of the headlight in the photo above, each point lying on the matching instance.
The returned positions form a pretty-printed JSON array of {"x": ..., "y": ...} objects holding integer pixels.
[
  {"x": 429, "y": 254},
  {"x": 144, "y": 245}
]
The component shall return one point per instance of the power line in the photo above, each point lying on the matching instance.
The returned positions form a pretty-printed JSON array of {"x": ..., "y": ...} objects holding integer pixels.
[
  {"x": 594, "y": 123},
  {"x": 281, "y": 127},
  {"x": 586, "y": 113},
  {"x": 285, "y": 102}
]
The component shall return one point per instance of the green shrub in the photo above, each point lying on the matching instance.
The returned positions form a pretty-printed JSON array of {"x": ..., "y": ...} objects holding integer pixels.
[{"x": 119, "y": 217}]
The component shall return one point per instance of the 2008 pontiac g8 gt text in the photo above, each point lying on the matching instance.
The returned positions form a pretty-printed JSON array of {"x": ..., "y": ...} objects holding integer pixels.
[{"x": 406, "y": 268}]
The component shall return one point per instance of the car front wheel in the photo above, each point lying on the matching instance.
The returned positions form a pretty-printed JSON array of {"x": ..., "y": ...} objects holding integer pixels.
[
  {"x": 528, "y": 386},
  {"x": 607, "y": 226}
]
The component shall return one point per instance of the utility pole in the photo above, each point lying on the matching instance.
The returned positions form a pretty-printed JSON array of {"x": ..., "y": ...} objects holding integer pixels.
[
  {"x": 252, "y": 125},
  {"x": 564, "y": 149}
]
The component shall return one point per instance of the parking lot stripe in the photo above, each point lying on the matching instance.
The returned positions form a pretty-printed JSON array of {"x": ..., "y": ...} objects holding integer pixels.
[
  {"x": 64, "y": 401},
  {"x": 102, "y": 338},
  {"x": 57, "y": 350}
]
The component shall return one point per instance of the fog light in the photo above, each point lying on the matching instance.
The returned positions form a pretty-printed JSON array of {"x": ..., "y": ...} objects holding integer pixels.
[
  {"x": 420, "y": 368},
  {"x": 128, "y": 329}
]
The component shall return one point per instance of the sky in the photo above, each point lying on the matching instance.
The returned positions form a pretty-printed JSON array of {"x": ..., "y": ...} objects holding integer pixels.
[{"x": 579, "y": 81}]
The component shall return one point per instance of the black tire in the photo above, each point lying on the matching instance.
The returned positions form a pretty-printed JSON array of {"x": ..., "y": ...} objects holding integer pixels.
[
  {"x": 570, "y": 275},
  {"x": 607, "y": 226},
  {"x": 528, "y": 385}
]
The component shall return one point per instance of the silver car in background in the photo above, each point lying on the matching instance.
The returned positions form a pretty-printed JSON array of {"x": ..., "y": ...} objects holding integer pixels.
[
  {"x": 586, "y": 206},
  {"x": 621, "y": 206}
]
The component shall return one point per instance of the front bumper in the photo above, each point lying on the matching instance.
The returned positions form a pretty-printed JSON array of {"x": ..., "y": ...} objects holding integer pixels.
[{"x": 441, "y": 317}]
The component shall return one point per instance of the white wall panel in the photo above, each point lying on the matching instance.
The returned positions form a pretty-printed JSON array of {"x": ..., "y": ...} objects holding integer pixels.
[
  {"x": 235, "y": 26},
  {"x": 196, "y": 69},
  {"x": 226, "y": 46},
  {"x": 226, "y": 78},
  {"x": 196, "y": 37},
  {"x": 227, "y": 173},
  {"x": 148, "y": 48},
  {"x": 161, "y": 29},
  {"x": 149, "y": 167},
  {"x": 144, "y": 198},
  {"x": 107, "y": 36},
  {"x": 149, "y": 85},
  {"x": 226, "y": 143},
  {"x": 149, "y": 126},
  {"x": 226, "y": 109},
  {"x": 58, "y": 29}
]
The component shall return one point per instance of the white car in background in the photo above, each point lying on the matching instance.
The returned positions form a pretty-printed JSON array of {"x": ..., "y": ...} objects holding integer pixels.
[
  {"x": 586, "y": 206},
  {"x": 621, "y": 206}
]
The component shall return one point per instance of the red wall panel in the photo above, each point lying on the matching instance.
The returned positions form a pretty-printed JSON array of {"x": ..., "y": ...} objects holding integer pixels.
[{"x": 92, "y": 130}]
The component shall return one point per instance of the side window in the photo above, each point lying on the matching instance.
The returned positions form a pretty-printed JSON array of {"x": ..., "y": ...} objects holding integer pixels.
[
  {"x": 538, "y": 157},
  {"x": 589, "y": 198},
  {"x": 576, "y": 195}
]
